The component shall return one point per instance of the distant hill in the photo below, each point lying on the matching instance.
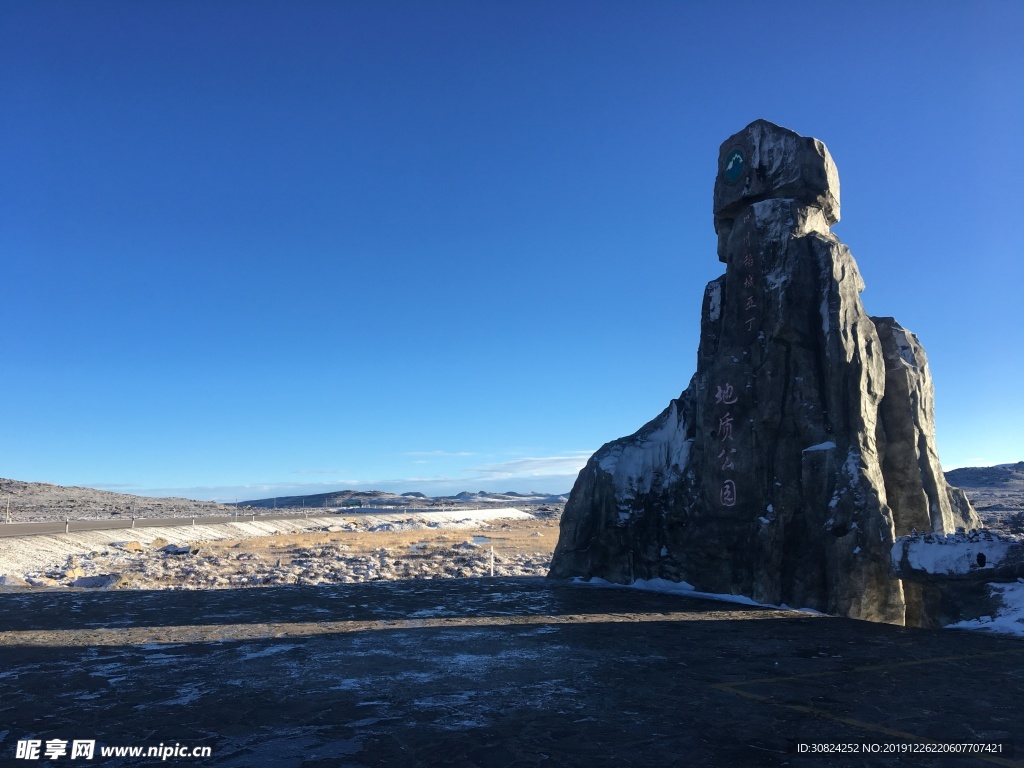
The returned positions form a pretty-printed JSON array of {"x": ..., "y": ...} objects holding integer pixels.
[
  {"x": 332, "y": 499},
  {"x": 43, "y": 501},
  {"x": 996, "y": 492},
  {"x": 410, "y": 498},
  {"x": 1006, "y": 476}
]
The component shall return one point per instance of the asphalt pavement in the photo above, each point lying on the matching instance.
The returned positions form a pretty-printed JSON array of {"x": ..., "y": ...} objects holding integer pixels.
[{"x": 496, "y": 672}]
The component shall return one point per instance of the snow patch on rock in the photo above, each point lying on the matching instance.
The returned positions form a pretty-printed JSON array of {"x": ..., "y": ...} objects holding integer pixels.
[
  {"x": 714, "y": 300},
  {"x": 900, "y": 336},
  {"x": 652, "y": 460},
  {"x": 952, "y": 554}
]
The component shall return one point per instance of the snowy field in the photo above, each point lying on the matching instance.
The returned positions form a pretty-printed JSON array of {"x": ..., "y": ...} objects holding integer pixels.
[{"x": 41, "y": 553}]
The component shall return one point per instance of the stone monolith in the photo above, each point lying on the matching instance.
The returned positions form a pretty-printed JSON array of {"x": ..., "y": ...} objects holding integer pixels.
[{"x": 805, "y": 442}]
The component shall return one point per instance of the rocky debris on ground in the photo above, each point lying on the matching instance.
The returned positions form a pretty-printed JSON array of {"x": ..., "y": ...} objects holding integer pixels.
[
  {"x": 805, "y": 442},
  {"x": 174, "y": 549},
  {"x": 20, "y": 554},
  {"x": 101, "y": 581},
  {"x": 432, "y": 545},
  {"x": 199, "y": 568}
]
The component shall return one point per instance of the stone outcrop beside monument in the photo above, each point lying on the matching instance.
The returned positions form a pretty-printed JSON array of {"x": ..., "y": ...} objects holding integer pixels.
[{"x": 805, "y": 442}]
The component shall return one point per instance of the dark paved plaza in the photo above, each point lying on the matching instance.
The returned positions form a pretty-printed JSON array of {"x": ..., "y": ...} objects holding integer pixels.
[{"x": 490, "y": 672}]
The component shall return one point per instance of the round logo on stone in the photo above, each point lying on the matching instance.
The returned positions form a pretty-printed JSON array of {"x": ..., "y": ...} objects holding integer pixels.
[{"x": 735, "y": 165}]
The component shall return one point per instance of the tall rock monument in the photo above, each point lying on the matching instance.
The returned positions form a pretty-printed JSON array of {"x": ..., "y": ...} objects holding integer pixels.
[{"x": 805, "y": 442}]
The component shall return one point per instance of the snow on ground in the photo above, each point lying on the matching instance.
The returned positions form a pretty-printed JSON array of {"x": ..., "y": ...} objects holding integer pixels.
[
  {"x": 1009, "y": 619},
  {"x": 688, "y": 590},
  {"x": 45, "y": 551}
]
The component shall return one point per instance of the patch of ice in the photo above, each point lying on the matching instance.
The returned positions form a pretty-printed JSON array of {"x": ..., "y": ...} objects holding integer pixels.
[
  {"x": 826, "y": 446},
  {"x": 348, "y": 684},
  {"x": 158, "y": 646},
  {"x": 161, "y": 658},
  {"x": 189, "y": 694},
  {"x": 272, "y": 650},
  {"x": 422, "y": 613},
  {"x": 366, "y": 721}
]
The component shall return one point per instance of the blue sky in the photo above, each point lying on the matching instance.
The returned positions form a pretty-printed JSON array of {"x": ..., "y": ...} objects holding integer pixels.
[{"x": 251, "y": 249}]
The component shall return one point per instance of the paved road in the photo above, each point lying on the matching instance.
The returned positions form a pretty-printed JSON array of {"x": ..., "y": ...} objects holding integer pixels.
[
  {"x": 490, "y": 672},
  {"x": 73, "y": 526}
]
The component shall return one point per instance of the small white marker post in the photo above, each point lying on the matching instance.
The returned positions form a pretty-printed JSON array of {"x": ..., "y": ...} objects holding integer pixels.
[
  {"x": 67, "y": 524},
  {"x": 492, "y": 559}
]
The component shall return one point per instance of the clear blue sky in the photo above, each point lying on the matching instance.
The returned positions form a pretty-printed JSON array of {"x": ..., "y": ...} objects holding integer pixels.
[{"x": 251, "y": 249}]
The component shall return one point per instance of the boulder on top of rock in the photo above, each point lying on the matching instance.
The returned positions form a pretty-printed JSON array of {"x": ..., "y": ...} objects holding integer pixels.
[
  {"x": 770, "y": 476},
  {"x": 764, "y": 161}
]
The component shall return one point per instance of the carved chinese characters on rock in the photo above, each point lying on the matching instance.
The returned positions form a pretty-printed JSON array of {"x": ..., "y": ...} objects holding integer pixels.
[
  {"x": 725, "y": 396},
  {"x": 735, "y": 385},
  {"x": 748, "y": 275}
]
